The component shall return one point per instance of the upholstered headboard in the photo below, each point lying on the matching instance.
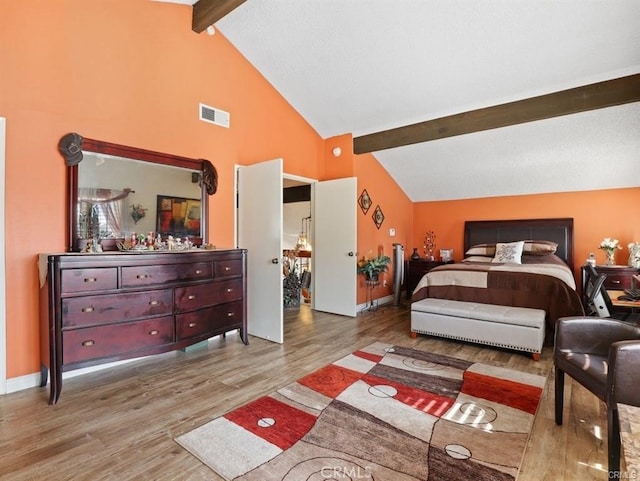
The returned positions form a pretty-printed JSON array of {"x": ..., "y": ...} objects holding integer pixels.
[{"x": 490, "y": 231}]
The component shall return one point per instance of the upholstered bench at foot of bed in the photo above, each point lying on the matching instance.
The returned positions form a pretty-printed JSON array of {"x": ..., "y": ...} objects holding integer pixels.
[{"x": 518, "y": 328}]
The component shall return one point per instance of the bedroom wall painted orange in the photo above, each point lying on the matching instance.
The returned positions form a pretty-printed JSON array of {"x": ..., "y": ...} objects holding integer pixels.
[
  {"x": 130, "y": 72},
  {"x": 596, "y": 214},
  {"x": 398, "y": 215},
  {"x": 342, "y": 165},
  {"x": 395, "y": 205}
]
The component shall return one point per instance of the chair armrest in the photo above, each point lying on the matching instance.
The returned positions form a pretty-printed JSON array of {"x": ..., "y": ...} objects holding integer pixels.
[
  {"x": 624, "y": 372},
  {"x": 592, "y": 335}
]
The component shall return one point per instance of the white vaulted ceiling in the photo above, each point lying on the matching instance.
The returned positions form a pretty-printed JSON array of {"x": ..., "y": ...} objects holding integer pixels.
[{"x": 361, "y": 66}]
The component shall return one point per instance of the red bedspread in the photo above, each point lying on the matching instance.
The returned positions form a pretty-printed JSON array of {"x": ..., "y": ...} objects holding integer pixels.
[{"x": 541, "y": 282}]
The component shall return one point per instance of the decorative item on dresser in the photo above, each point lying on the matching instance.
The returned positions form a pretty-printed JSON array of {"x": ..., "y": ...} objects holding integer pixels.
[
  {"x": 634, "y": 254},
  {"x": 610, "y": 246},
  {"x": 429, "y": 245},
  {"x": 100, "y": 308}
]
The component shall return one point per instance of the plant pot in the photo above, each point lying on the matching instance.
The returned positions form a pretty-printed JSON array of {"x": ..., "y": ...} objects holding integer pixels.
[{"x": 373, "y": 277}]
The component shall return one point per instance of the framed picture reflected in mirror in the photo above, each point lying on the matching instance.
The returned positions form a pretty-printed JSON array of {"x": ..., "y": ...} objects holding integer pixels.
[{"x": 178, "y": 216}]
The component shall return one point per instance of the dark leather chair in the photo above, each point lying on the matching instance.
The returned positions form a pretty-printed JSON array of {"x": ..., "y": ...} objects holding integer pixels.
[{"x": 603, "y": 355}]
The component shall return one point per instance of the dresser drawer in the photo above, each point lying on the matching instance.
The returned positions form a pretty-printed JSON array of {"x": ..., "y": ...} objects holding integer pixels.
[
  {"x": 617, "y": 282},
  {"x": 618, "y": 277},
  {"x": 115, "y": 339},
  {"x": 214, "y": 320},
  {"x": 227, "y": 268},
  {"x": 135, "y": 276},
  {"x": 108, "y": 308},
  {"x": 87, "y": 280},
  {"x": 204, "y": 295}
]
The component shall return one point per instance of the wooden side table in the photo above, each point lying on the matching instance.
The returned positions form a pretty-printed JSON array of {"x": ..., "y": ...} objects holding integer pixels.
[
  {"x": 618, "y": 277},
  {"x": 415, "y": 269}
]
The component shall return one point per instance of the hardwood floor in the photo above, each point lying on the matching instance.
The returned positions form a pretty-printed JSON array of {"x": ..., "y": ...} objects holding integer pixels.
[{"x": 119, "y": 424}]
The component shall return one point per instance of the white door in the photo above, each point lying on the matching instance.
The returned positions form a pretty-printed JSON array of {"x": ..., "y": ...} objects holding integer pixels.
[
  {"x": 334, "y": 252},
  {"x": 260, "y": 232}
]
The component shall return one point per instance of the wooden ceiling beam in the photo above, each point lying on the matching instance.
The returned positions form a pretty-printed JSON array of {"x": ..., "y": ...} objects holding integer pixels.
[
  {"x": 588, "y": 97},
  {"x": 208, "y": 12}
]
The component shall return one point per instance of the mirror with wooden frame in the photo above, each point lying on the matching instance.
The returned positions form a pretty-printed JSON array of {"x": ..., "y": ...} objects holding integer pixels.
[{"x": 116, "y": 192}]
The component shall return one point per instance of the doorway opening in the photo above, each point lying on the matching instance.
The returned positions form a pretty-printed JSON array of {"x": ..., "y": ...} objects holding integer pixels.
[{"x": 297, "y": 243}]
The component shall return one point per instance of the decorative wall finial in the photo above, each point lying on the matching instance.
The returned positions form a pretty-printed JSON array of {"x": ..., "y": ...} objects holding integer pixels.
[
  {"x": 70, "y": 146},
  {"x": 209, "y": 177}
]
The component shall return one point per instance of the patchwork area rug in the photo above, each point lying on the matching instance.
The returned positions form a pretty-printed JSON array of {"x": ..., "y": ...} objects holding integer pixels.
[{"x": 384, "y": 413}]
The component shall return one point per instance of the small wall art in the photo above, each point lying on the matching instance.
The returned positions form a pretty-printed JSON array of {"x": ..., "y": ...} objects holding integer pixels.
[
  {"x": 364, "y": 201},
  {"x": 378, "y": 216}
]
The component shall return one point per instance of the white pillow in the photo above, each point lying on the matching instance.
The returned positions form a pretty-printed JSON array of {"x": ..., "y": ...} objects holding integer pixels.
[{"x": 510, "y": 252}]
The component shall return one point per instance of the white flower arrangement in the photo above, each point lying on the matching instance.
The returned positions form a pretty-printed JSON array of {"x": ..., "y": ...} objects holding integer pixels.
[
  {"x": 609, "y": 245},
  {"x": 634, "y": 254}
]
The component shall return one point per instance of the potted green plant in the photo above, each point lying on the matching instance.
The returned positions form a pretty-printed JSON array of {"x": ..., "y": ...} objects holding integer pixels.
[
  {"x": 291, "y": 279},
  {"x": 372, "y": 267}
]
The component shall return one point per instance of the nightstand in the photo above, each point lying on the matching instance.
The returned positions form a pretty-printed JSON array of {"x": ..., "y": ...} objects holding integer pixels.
[
  {"x": 618, "y": 278},
  {"x": 415, "y": 269}
]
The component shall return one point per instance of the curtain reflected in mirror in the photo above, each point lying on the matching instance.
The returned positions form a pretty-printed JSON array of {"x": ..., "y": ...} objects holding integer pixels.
[{"x": 101, "y": 211}]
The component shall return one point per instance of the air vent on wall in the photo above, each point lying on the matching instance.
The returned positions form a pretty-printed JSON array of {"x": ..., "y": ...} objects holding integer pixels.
[{"x": 214, "y": 116}]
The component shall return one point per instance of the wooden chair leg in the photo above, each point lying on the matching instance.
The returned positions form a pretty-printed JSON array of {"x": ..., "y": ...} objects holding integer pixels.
[
  {"x": 414, "y": 334},
  {"x": 559, "y": 395},
  {"x": 535, "y": 356},
  {"x": 613, "y": 442}
]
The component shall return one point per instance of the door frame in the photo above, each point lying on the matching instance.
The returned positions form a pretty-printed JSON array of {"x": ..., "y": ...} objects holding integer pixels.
[{"x": 3, "y": 273}]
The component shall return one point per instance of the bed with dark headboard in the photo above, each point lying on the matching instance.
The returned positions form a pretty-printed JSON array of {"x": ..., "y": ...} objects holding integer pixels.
[
  {"x": 558, "y": 230},
  {"x": 542, "y": 278}
]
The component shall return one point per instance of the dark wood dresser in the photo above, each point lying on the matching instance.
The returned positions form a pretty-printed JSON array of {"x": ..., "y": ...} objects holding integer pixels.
[{"x": 100, "y": 308}]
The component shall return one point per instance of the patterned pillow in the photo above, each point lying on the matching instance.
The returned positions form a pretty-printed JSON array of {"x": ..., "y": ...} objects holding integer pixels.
[
  {"x": 482, "y": 250},
  {"x": 539, "y": 247},
  {"x": 510, "y": 252}
]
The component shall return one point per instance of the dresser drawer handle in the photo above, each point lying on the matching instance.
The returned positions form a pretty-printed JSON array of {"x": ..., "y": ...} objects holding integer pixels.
[
  {"x": 615, "y": 281},
  {"x": 154, "y": 332},
  {"x": 153, "y": 303},
  {"x": 87, "y": 309},
  {"x": 227, "y": 268},
  {"x": 143, "y": 276},
  {"x": 90, "y": 279},
  {"x": 191, "y": 297},
  {"x": 198, "y": 271},
  {"x": 229, "y": 289},
  {"x": 230, "y": 314},
  {"x": 88, "y": 343},
  {"x": 193, "y": 324}
]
